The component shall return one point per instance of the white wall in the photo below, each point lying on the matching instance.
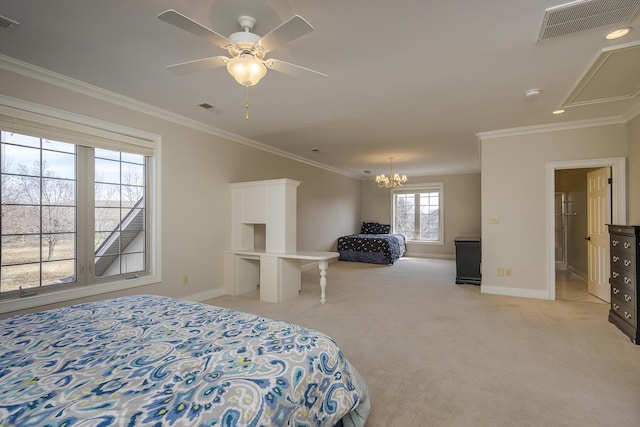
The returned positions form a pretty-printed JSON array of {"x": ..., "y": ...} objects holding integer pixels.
[
  {"x": 461, "y": 210},
  {"x": 197, "y": 167},
  {"x": 514, "y": 188}
]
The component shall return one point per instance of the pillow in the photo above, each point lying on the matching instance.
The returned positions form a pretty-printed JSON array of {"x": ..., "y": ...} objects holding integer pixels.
[{"x": 375, "y": 228}]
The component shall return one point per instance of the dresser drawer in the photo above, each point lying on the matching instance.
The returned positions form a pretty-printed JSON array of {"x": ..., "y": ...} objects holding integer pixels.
[
  {"x": 623, "y": 310},
  {"x": 623, "y": 260},
  {"x": 625, "y": 294},
  {"x": 623, "y": 243},
  {"x": 623, "y": 277}
]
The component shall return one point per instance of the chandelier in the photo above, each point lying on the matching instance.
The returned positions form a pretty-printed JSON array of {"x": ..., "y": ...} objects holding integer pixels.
[{"x": 394, "y": 180}]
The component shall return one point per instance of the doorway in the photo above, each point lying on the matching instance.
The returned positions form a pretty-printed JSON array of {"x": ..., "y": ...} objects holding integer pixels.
[
  {"x": 617, "y": 167},
  {"x": 579, "y": 258}
]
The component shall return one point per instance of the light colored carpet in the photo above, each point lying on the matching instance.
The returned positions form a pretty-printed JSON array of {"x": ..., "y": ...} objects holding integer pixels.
[{"x": 434, "y": 353}]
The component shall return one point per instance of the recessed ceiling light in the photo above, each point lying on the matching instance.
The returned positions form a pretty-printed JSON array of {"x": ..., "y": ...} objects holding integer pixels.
[
  {"x": 558, "y": 111},
  {"x": 616, "y": 34},
  {"x": 532, "y": 93}
]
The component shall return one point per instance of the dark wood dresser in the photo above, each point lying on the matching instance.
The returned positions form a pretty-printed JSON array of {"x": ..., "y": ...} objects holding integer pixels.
[
  {"x": 625, "y": 272},
  {"x": 468, "y": 260}
]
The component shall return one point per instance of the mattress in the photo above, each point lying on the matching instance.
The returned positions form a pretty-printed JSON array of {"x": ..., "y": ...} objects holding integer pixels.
[{"x": 152, "y": 360}]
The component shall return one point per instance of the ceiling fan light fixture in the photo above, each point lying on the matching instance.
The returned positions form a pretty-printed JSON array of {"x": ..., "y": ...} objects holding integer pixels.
[{"x": 246, "y": 69}]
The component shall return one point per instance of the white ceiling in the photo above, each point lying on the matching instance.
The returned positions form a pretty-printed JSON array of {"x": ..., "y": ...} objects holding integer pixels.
[{"x": 413, "y": 80}]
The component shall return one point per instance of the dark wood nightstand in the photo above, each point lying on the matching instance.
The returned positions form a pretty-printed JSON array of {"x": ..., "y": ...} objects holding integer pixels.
[{"x": 468, "y": 256}]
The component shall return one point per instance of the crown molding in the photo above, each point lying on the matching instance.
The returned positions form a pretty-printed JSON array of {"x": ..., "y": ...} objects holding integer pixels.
[
  {"x": 632, "y": 113},
  {"x": 37, "y": 73},
  {"x": 552, "y": 127}
]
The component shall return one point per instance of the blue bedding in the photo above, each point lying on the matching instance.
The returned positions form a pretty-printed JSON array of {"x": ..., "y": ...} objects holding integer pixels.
[
  {"x": 151, "y": 360},
  {"x": 372, "y": 248}
]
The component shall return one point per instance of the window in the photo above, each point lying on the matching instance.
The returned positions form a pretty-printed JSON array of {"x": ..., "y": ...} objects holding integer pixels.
[
  {"x": 38, "y": 194},
  {"x": 75, "y": 206},
  {"x": 417, "y": 213},
  {"x": 120, "y": 243}
]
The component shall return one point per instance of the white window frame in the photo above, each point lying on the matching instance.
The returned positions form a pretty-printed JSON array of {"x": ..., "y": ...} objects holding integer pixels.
[
  {"x": 75, "y": 122},
  {"x": 421, "y": 188}
]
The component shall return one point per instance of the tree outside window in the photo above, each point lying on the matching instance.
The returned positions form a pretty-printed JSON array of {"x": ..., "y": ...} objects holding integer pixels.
[{"x": 38, "y": 196}]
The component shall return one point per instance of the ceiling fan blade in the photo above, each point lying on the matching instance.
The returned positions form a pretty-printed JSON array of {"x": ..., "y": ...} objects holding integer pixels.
[
  {"x": 179, "y": 20},
  {"x": 189, "y": 67},
  {"x": 290, "y": 69},
  {"x": 290, "y": 30}
]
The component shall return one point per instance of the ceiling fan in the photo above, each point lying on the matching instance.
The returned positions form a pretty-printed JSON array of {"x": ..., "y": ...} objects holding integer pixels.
[{"x": 247, "y": 51}]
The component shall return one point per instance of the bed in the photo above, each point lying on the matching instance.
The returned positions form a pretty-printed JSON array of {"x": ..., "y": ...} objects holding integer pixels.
[
  {"x": 152, "y": 360},
  {"x": 374, "y": 244}
]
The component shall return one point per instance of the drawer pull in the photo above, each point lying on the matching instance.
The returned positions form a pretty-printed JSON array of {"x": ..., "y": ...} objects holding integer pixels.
[
  {"x": 627, "y": 262},
  {"x": 616, "y": 307},
  {"x": 627, "y": 245},
  {"x": 616, "y": 258},
  {"x": 616, "y": 291},
  {"x": 627, "y": 280},
  {"x": 614, "y": 242},
  {"x": 615, "y": 274},
  {"x": 627, "y": 315},
  {"x": 627, "y": 298}
]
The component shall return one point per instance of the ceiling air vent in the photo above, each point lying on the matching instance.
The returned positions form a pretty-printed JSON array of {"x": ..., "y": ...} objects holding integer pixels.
[
  {"x": 585, "y": 15},
  {"x": 7, "y": 24}
]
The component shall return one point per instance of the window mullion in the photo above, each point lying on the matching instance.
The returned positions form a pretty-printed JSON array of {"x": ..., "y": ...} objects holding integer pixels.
[
  {"x": 84, "y": 203},
  {"x": 147, "y": 198},
  {"x": 41, "y": 213},
  {"x": 416, "y": 217}
]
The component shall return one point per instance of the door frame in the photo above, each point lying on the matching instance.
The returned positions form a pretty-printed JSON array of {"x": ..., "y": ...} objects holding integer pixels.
[
  {"x": 561, "y": 265},
  {"x": 618, "y": 167}
]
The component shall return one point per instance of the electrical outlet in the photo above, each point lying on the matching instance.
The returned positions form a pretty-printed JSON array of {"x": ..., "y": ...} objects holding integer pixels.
[
  {"x": 507, "y": 272},
  {"x": 185, "y": 280},
  {"x": 501, "y": 272},
  {"x": 495, "y": 219}
]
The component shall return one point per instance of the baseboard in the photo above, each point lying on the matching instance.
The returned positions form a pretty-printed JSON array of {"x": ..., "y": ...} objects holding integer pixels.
[
  {"x": 206, "y": 295},
  {"x": 314, "y": 264},
  {"x": 577, "y": 273},
  {"x": 423, "y": 255},
  {"x": 514, "y": 292},
  {"x": 309, "y": 266}
]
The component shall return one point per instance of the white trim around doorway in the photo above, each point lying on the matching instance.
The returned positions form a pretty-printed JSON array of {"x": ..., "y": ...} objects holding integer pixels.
[{"x": 618, "y": 203}]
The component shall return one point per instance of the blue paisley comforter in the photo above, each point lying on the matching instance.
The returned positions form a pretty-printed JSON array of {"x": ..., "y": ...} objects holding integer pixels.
[{"x": 151, "y": 360}]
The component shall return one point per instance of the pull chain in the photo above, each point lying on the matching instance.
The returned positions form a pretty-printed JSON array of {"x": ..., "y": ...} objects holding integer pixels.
[{"x": 246, "y": 104}]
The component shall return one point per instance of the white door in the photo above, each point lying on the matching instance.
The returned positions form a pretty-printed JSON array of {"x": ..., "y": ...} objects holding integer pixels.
[{"x": 598, "y": 216}]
